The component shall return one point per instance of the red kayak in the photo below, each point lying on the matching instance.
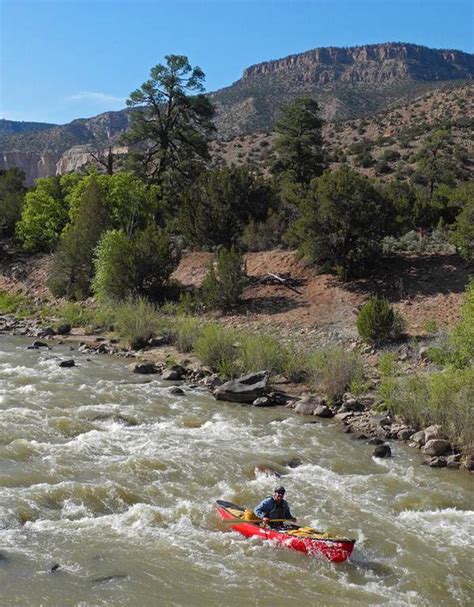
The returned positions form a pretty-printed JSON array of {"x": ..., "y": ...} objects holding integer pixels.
[{"x": 303, "y": 539}]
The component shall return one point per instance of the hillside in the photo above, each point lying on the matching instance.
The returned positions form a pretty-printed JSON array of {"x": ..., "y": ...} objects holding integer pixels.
[{"x": 392, "y": 136}]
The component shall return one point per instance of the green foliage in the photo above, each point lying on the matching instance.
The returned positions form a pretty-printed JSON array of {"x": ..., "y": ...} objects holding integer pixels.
[
  {"x": 377, "y": 321},
  {"x": 430, "y": 326},
  {"x": 463, "y": 334},
  {"x": 223, "y": 289},
  {"x": 136, "y": 320},
  {"x": 333, "y": 370},
  {"x": 171, "y": 122},
  {"x": 44, "y": 215},
  {"x": 388, "y": 364},
  {"x": 215, "y": 347},
  {"x": 298, "y": 143},
  {"x": 463, "y": 236},
  {"x": 15, "y": 303},
  {"x": 444, "y": 398},
  {"x": 262, "y": 352},
  {"x": 72, "y": 267},
  {"x": 12, "y": 194},
  {"x": 265, "y": 235},
  {"x": 185, "y": 332},
  {"x": 74, "y": 314},
  {"x": 137, "y": 266},
  {"x": 342, "y": 223},
  {"x": 216, "y": 208}
]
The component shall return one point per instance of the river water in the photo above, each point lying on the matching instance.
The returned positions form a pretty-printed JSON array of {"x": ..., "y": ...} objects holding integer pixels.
[{"x": 112, "y": 478}]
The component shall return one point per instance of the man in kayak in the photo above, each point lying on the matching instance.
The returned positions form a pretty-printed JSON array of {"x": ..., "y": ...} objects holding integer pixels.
[{"x": 274, "y": 507}]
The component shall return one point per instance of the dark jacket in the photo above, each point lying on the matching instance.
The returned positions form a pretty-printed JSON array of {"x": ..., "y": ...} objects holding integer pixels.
[{"x": 270, "y": 509}]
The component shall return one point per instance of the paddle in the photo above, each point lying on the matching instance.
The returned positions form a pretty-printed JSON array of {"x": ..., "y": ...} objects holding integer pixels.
[{"x": 232, "y": 521}]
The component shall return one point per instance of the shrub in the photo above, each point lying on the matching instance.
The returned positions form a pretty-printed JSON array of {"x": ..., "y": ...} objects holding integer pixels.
[
  {"x": 15, "y": 303},
  {"x": 262, "y": 352},
  {"x": 216, "y": 348},
  {"x": 222, "y": 289},
  {"x": 377, "y": 321},
  {"x": 12, "y": 194},
  {"x": 463, "y": 334},
  {"x": 113, "y": 266},
  {"x": 334, "y": 369},
  {"x": 185, "y": 333},
  {"x": 136, "y": 320}
]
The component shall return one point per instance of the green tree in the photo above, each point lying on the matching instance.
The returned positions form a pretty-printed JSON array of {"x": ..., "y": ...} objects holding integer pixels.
[
  {"x": 377, "y": 321},
  {"x": 343, "y": 221},
  {"x": 463, "y": 235},
  {"x": 435, "y": 162},
  {"x": 298, "y": 143},
  {"x": 137, "y": 266},
  {"x": 12, "y": 194},
  {"x": 216, "y": 208},
  {"x": 223, "y": 285},
  {"x": 171, "y": 124},
  {"x": 44, "y": 214},
  {"x": 72, "y": 267}
]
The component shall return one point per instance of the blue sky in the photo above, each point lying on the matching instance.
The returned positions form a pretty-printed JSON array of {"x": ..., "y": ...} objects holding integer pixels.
[{"x": 66, "y": 59}]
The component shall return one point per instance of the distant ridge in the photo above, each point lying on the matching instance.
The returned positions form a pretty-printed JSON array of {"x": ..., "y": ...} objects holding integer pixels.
[{"x": 348, "y": 82}]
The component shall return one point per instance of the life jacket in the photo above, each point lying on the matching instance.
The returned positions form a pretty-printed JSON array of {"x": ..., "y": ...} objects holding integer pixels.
[{"x": 278, "y": 510}]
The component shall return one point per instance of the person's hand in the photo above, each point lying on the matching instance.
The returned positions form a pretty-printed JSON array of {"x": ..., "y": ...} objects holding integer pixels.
[{"x": 266, "y": 520}]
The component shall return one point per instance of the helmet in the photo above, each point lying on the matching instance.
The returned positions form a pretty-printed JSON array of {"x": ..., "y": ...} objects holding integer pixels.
[{"x": 280, "y": 490}]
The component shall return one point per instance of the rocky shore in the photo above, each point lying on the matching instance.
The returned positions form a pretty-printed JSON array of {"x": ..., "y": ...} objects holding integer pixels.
[{"x": 358, "y": 416}]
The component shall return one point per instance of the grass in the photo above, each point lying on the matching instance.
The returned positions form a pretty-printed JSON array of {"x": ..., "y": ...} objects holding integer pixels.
[
  {"x": 137, "y": 321},
  {"x": 333, "y": 370},
  {"x": 16, "y": 303},
  {"x": 216, "y": 348}
]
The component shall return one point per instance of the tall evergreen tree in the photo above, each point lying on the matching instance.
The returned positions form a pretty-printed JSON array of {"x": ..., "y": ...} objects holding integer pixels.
[
  {"x": 171, "y": 123},
  {"x": 299, "y": 142}
]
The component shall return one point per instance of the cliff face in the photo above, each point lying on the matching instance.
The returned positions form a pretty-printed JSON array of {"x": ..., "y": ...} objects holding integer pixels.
[{"x": 346, "y": 82}]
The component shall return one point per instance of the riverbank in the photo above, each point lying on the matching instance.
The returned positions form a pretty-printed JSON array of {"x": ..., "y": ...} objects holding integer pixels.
[{"x": 360, "y": 415}]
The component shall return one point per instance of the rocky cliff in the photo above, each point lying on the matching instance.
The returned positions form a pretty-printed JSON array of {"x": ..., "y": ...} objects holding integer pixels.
[{"x": 347, "y": 82}]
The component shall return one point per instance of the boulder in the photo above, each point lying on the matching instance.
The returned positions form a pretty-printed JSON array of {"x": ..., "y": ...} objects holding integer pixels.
[
  {"x": 433, "y": 432},
  {"x": 263, "y": 401},
  {"x": 382, "y": 451},
  {"x": 63, "y": 329},
  {"x": 267, "y": 470},
  {"x": 245, "y": 389},
  {"x": 174, "y": 373},
  {"x": 294, "y": 462},
  {"x": 143, "y": 368},
  {"x": 436, "y": 446},
  {"x": 405, "y": 433},
  {"x": 323, "y": 411},
  {"x": 39, "y": 344},
  {"x": 45, "y": 332},
  {"x": 435, "y": 462},
  {"x": 454, "y": 461},
  {"x": 308, "y": 405},
  {"x": 343, "y": 417},
  {"x": 351, "y": 404},
  {"x": 176, "y": 390},
  {"x": 67, "y": 363},
  {"x": 418, "y": 438}
]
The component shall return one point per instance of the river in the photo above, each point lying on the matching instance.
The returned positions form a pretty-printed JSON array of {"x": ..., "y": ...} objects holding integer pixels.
[{"x": 111, "y": 477}]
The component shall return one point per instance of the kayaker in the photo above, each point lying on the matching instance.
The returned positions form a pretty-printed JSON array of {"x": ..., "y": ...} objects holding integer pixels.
[{"x": 274, "y": 507}]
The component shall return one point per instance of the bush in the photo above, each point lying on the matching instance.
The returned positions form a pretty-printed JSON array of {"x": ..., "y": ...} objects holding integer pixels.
[
  {"x": 185, "y": 333},
  {"x": 222, "y": 289},
  {"x": 262, "y": 352},
  {"x": 137, "y": 266},
  {"x": 334, "y": 369},
  {"x": 441, "y": 398},
  {"x": 377, "y": 321},
  {"x": 15, "y": 303},
  {"x": 216, "y": 348},
  {"x": 463, "y": 334},
  {"x": 136, "y": 320},
  {"x": 12, "y": 194}
]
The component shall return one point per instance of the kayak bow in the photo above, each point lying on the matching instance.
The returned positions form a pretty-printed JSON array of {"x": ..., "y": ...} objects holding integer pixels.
[{"x": 303, "y": 539}]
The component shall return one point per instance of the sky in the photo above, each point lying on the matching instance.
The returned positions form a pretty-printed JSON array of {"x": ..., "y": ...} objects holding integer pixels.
[{"x": 67, "y": 59}]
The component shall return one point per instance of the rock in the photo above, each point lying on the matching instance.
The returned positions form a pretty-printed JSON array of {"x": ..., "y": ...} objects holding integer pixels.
[
  {"x": 55, "y": 567},
  {"x": 468, "y": 462},
  {"x": 39, "y": 344},
  {"x": 245, "y": 389},
  {"x": 323, "y": 411},
  {"x": 307, "y": 405},
  {"x": 347, "y": 430},
  {"x": 158, "y": 342},
  {"x": 67, "y": 363},
  {"x": 263, "y": 401},
  {"x": 174, "y": 373},
  {"x": 279, "y": 398},
  {"x": 342, "y": 417},
  {"x": 436, "y": 446},
  {"x": 405, "y": 433},
  {"x": 143, "y": 368},
  {"x": 435, "y": 462},
  {"x": 418, "y": 438},
  {"x": 433, "y": 432},
  {"x": 375, "y": 441},
  {"x": 454, "y": 461},
  {"x": 382, "y": 451},
  {"x": 351, "y": 404},
  {"x": 176, "y": 390},
  {"x": 212, "y": 381},
  {"x": 45, "y": 332},
  {"x": 380, "y": 420},
  {"x": 423, "y": 353},
  {"x": 294, "y": 462},
  {"x": 63, "y": 329}
]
